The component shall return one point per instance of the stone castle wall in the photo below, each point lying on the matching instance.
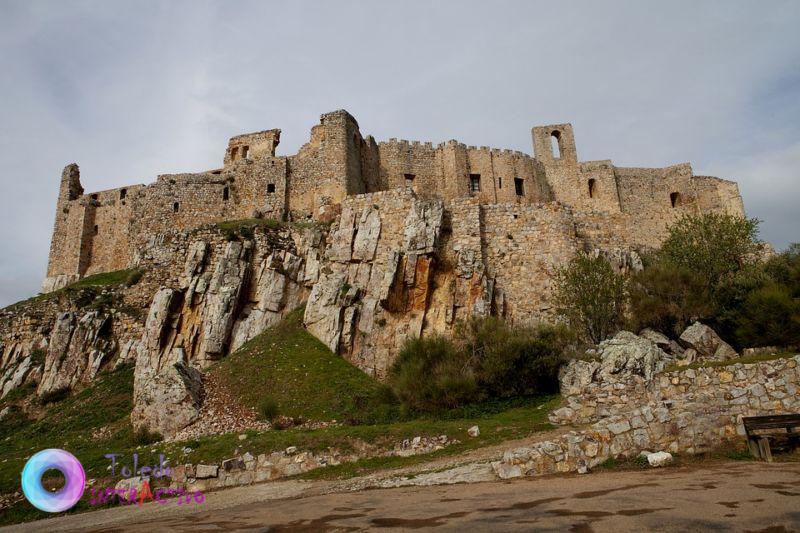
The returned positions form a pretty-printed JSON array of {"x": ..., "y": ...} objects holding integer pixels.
[{"x": 105, "y": 231}]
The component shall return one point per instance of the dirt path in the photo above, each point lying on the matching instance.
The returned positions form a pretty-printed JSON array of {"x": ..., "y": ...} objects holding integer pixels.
[{"x": 742, "y": 496}]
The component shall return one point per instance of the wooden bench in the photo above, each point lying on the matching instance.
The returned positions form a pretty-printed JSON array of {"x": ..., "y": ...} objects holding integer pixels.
[{"x": 758, "y": 429}]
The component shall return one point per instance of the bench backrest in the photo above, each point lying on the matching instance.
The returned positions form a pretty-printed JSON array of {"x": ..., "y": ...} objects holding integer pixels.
[{"x": 770, "y": 422}]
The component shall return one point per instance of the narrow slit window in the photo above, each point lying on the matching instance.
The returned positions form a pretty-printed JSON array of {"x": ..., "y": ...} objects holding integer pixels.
[
  {"x": 519, "y": 186},
  {"x": 499, "y": 183},
  {"x": 176, "y": 207},
  {"x": 226, "y": 193},
  {"x": 592, "y": 187},
  {"x": 96, "y": 230},
  {"x": 475, "y": 183}
]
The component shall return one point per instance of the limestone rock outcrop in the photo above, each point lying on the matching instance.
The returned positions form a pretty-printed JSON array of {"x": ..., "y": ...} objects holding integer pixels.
[
  {"x": 706, "y": 343},
  {"x": 78, "y": 348},
  {"x": 626, "y": 354}
]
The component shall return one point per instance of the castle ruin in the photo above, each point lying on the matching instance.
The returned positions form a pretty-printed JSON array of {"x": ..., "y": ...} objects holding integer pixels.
[{"x": 626, "y": 207}]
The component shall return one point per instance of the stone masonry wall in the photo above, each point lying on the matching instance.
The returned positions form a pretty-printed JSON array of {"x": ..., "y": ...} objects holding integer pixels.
[
  {"x": 687, "y": 411},
  {"x": 104, "y": 231}
]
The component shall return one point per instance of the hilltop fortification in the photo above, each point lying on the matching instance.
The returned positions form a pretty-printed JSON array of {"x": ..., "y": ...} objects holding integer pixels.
[{"x": 107, "y": 230}]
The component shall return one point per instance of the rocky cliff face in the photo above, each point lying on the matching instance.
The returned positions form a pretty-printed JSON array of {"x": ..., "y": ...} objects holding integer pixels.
[{"x": 390, "y": 266}]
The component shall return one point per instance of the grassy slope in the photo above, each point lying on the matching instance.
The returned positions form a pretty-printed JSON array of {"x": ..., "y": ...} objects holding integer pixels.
[{"x": 303, "y": 376}]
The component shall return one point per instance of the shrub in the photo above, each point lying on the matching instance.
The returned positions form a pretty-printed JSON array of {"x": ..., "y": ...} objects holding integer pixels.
[
  {"x": 514, "y": 361},
  {"x": 712, "y": 245},
  {"x": 430, "y": 374},
  {"x": 54, "y": 396},
  {"x": 490, "y": 360},
  {"x": 143, "y": 437},
  {"x": 133, "y": 277},
  {"x": 769, "y": 316},
  {"x": 591, "y": 296},
  {"x": 667, "y": 298},
  {"x": 268, "y": 408}
]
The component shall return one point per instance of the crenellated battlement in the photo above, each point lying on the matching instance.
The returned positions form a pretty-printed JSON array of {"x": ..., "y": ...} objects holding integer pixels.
[{"x": 102, "y": 231}]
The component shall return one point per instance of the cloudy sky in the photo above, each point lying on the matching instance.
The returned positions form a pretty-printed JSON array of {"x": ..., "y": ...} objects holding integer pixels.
[{"x": 129, "y": 90}]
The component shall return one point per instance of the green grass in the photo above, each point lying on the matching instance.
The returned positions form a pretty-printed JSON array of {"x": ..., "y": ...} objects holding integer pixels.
[
  {"x": 127, "y": 277},
  {"x": 236, "y": 225},
  {"x": 741, "y": 360},
  {"x": 303, "y": 377}
]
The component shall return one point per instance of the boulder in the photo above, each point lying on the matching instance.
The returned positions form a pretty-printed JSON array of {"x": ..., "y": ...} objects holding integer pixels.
[
  {"x": 206, "y": 471},
  {"x": 659, "y": 339},
  {"x": 474, "y": 431},
  {"x": 706, "y": 343},
  {"x": 659, "y": 459}
]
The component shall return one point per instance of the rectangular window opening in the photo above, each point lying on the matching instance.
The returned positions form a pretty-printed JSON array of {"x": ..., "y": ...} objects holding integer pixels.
[
  {"x": 270, "y": 187},
  {"x": 409, "y": 179},
  {"x": 519, "y": 186},
  {"x": 475, "y": 183}
]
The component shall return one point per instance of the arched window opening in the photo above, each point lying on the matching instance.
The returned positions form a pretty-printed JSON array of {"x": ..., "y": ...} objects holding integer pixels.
[
  {"x": 226, "y": 193},
  {"x": 176, "y": 207},
  {"x": 555, "y": 144},
  {"x": 675, "y": 199},
  {"x": 592, "y": 187}
]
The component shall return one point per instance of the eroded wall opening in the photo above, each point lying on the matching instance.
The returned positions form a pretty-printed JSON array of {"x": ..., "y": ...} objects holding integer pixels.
[
  {"x": 675, "y": 199},
  {"x": 270, "y": 187},
  {"x": 226, "y": 193},
  {"x": 123, "y": 193},
  {"x": 245, "y": 151},
  {"x": 234, "y": 153},
  {"x": 519, "y": 186},
  {"x": 592, "y": 187},
  {"x": 409, "y": 179},
  {"x": 176, "y": 207}
]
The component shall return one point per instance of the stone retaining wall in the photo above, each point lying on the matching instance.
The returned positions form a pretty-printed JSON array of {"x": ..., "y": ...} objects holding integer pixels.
[{"x": 686, "y": 411}]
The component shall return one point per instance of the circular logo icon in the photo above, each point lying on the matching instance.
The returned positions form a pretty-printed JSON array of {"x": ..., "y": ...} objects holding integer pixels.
[{"x": 70, "y": 493}]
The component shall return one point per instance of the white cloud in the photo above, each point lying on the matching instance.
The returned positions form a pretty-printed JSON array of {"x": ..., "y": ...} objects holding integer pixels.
[{"x": 133, "y": 89}]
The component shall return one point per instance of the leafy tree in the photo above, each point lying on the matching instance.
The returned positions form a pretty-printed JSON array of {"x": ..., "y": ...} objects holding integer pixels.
[
  {"x": 769, "y": 316},
  {"x": 713, "y": 245},
  {"x": 591, "y": 296},
  {"x": 667, "y": 298}
]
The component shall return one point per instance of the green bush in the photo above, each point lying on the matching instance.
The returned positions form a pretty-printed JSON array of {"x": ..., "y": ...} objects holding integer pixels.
[
  {"x": 667, "y": 298},
  {"x": 54, "y": 396},
  {"x": 514, "y": 361},
  {"x": 143, "y": 437},
  {"x": 431, "y": 374},
  {"x": 770, "y": 316},
  {"x": 268, "y": 408},
  {"x": 713, "y": 245},
  {"x": 490, "y": 360},
  {"x": 591, "y": 296}
]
